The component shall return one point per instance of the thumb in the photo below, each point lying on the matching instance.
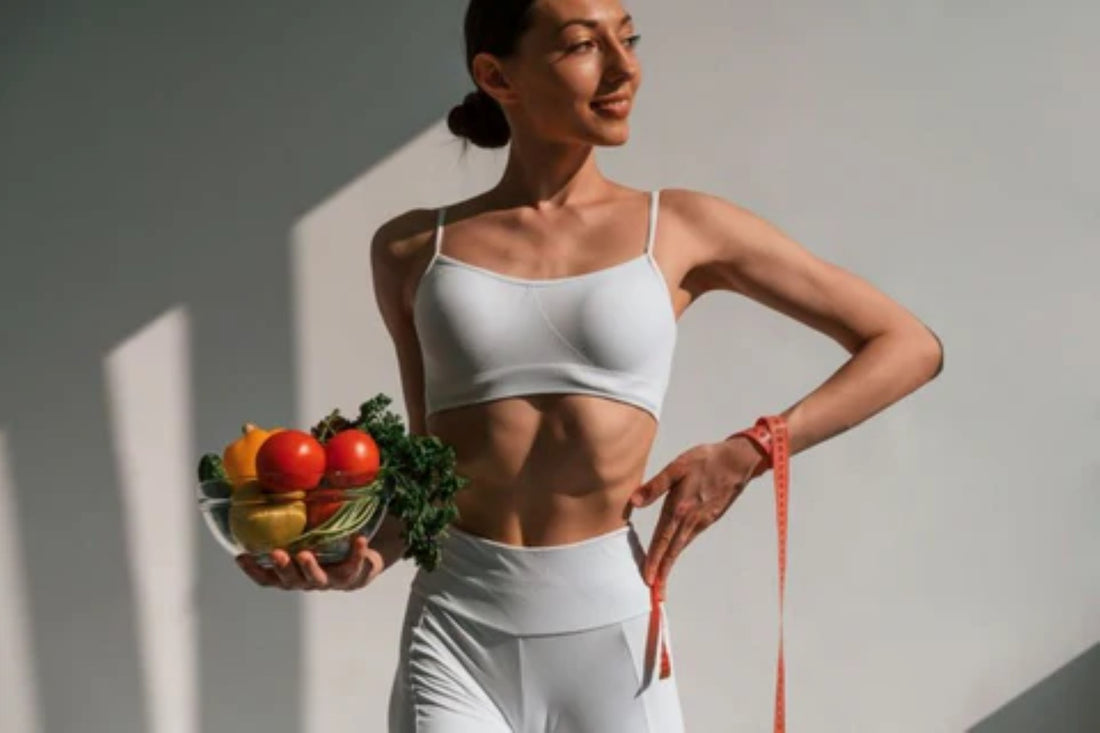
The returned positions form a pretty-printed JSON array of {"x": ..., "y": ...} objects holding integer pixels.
[
  {"x": 650, "y": 490},
  {"x": 373, "y": 562},
  {"x": 375, "y": 565}
]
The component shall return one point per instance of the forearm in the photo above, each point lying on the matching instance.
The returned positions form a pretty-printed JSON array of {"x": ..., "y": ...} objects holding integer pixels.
[{"x": 884, "y": 370}]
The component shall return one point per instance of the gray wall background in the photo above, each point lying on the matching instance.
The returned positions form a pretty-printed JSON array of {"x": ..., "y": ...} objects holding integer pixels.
[{"x": 186, "y": 198}]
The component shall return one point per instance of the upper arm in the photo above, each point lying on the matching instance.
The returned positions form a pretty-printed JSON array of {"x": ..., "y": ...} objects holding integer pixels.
[
  {"x": 393, "y": 249},
  {"x": 742, "y": 252}
]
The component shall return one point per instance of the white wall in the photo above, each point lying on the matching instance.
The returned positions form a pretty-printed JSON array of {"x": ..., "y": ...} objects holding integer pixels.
[{"x": 228, "y": 169}]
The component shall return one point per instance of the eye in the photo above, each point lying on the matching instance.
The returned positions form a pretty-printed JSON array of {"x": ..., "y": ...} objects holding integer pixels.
[{"x": 631, "y": 42}]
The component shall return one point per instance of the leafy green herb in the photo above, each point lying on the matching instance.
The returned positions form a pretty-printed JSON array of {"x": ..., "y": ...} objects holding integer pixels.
[
  {"x": 211, "y": 468},
  {"x": 417, "y": 475},
  {"x": 212, "y": 474}
]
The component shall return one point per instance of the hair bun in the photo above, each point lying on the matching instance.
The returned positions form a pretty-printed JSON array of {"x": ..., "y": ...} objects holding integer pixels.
[{"x": 480, "y": 120}]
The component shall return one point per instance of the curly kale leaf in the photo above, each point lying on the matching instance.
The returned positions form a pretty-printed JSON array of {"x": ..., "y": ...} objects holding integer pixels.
[{"x": 417, "y": 476}]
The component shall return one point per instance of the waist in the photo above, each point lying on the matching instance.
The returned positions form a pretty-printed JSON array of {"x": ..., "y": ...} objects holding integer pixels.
[{"x": 539, "y": 590}]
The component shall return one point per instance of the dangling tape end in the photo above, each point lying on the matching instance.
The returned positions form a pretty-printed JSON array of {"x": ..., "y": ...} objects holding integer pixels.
[{"x": 666, "y": 663}]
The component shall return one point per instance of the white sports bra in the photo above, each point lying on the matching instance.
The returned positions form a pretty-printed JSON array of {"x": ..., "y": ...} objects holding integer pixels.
[{"x": 485, "y": 335}]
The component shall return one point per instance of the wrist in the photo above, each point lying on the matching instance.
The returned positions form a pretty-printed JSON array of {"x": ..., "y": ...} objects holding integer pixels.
[
  {"x": 760, "y": 438},
  {"x": 742, "y": 452},
  {"x": 755, "y": 448}
]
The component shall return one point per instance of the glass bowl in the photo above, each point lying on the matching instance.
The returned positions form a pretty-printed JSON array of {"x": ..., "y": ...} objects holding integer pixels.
[{"x": 247, "y": 518}]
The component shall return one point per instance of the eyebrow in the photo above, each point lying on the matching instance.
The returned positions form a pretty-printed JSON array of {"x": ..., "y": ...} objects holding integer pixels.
[{"x": 591, "y": 23}]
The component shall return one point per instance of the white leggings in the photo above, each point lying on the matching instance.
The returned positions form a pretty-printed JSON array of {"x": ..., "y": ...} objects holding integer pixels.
[{"x": 506, "y": 639}]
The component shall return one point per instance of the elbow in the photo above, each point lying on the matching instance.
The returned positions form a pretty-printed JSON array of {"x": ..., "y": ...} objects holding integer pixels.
[{"x": 935, "y": 348}]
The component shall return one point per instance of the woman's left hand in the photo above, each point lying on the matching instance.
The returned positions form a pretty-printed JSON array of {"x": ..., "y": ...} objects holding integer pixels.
[{"x": 701, "y": 484}]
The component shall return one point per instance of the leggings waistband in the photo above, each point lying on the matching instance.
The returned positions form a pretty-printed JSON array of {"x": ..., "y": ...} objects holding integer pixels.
[{"x": 539, "y": 590}]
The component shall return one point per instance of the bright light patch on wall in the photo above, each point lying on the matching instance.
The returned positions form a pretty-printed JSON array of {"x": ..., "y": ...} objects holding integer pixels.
[
  {"x": 344, "y": 357},
  {"x": 149, "y": 391},
  {"x": 18, "y": 694}
]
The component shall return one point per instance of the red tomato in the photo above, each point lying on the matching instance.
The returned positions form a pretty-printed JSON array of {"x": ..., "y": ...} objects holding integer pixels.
[
  {"x": 322, "y": 504},
  {"x": 290, "y": 460},
  {"x": 351, "y": 458}
]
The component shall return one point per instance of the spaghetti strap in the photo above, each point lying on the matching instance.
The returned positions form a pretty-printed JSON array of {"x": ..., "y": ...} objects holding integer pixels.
[
  {"x": 439, "y": 230},
  {"x": 654, "y": 197}
]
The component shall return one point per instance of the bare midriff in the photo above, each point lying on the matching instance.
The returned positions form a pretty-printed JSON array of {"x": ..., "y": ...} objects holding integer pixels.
[{"x": 546, "y": 469}]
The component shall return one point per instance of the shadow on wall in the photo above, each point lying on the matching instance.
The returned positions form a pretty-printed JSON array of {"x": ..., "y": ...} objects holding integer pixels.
[
  {"x": 155, "y": 159},
  {"x": 1064, "y": 702}
]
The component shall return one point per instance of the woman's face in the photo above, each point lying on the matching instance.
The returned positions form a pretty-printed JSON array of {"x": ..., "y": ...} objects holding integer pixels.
[{"x": 575, "y": 52}]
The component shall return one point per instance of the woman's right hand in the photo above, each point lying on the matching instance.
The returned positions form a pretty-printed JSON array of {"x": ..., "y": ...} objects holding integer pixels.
[{"x": 361, "y": 566}]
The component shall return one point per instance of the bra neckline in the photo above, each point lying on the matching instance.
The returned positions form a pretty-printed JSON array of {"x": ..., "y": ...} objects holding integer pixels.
[{"x": 539, "y": 280}]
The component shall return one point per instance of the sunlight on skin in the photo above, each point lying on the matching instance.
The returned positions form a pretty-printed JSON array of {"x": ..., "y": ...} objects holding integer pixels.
[{"x": 149, "y": 393}]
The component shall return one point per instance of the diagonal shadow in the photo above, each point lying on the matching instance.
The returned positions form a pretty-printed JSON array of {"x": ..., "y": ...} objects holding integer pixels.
[
  {"x": 1064, "y": 702},
  {"x": 152, "y": 156}
]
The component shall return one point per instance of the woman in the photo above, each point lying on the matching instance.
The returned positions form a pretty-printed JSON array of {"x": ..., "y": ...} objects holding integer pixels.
[{"x": 534, "y": 327}]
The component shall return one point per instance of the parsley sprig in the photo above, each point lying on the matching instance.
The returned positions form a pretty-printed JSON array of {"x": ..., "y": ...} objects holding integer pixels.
[{"x": 416, "y": 475}]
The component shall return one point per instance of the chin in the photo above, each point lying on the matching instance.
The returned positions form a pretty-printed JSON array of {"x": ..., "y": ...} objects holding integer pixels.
[
  {"x": 615, "y": 140},
  {"x": 610, "y": 137}
]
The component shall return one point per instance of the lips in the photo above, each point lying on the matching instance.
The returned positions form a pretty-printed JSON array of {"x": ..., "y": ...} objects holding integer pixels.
[
  {"x": 610, "y": 100},
  {"x": 616, "y": 107}
]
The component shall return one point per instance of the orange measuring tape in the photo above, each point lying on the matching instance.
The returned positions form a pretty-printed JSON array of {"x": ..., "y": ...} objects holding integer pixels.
[{"x": 770, "y": 434}]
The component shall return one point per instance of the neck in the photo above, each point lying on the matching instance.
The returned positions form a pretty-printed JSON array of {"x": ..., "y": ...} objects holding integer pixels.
[{"x": 547, "y": 175}]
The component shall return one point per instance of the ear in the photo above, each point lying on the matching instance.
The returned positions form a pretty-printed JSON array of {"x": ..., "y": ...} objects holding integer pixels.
[{"x": 491, "y": 77}]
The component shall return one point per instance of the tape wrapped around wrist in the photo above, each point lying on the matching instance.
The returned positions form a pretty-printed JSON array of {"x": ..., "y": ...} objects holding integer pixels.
[{"x": 760, "y": 435}]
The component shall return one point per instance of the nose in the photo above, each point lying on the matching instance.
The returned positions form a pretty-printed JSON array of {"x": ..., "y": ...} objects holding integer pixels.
[{"x": 621, "y": 62}]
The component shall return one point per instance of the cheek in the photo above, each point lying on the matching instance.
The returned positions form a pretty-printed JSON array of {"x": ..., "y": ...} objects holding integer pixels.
[
  {"x": 582, "y": 77},
  {"x": 559, "y": 97},
  {"x": 558, "y": 101}
]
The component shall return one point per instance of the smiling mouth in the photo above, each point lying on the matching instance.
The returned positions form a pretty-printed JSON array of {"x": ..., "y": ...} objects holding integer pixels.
[{"x": 614, "y": 108}]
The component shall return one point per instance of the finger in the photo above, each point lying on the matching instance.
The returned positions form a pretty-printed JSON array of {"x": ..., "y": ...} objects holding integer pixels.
[
  {"x": 263, "y": 576},
  {"x": 659, "y": 484},
  {"x": 650, "y": 490},
  {"x": 374, "y": 565},
  {"x": 311, "y": 570},
  {"x": 346, "y": 572},
  {"x": 371, "y": 566},
  {"x": 685, "y": 532},
  {"x": 287, "y": 570},
  {"x": 662, "y": 537}
]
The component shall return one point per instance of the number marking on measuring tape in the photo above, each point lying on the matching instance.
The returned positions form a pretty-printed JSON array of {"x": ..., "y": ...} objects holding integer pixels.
[{"x": 771, "y": 435}]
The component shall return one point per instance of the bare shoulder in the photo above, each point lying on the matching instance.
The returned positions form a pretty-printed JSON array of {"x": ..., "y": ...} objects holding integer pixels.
[
  {"x": 402, "y": 237},
  {"x": 702, "y": 215},
  {"x": 725, "y": 239},
  {"x": 696, "y": 221},
  {"x": 397, "y": 246}
]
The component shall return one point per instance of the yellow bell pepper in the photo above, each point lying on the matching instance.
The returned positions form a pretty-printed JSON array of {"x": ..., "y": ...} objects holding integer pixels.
[
  {"x": 239, "y": 457},
  {"x": 262, "y": 522}
]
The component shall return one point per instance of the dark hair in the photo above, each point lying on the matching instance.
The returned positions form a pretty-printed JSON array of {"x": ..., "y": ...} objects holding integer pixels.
[{"x": 491, "y": 26}]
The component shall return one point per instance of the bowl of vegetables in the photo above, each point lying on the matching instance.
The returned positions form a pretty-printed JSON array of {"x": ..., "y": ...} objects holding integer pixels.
[
  {"x": 319, "y": 489},
  {"x": 284, "y": 489}
]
